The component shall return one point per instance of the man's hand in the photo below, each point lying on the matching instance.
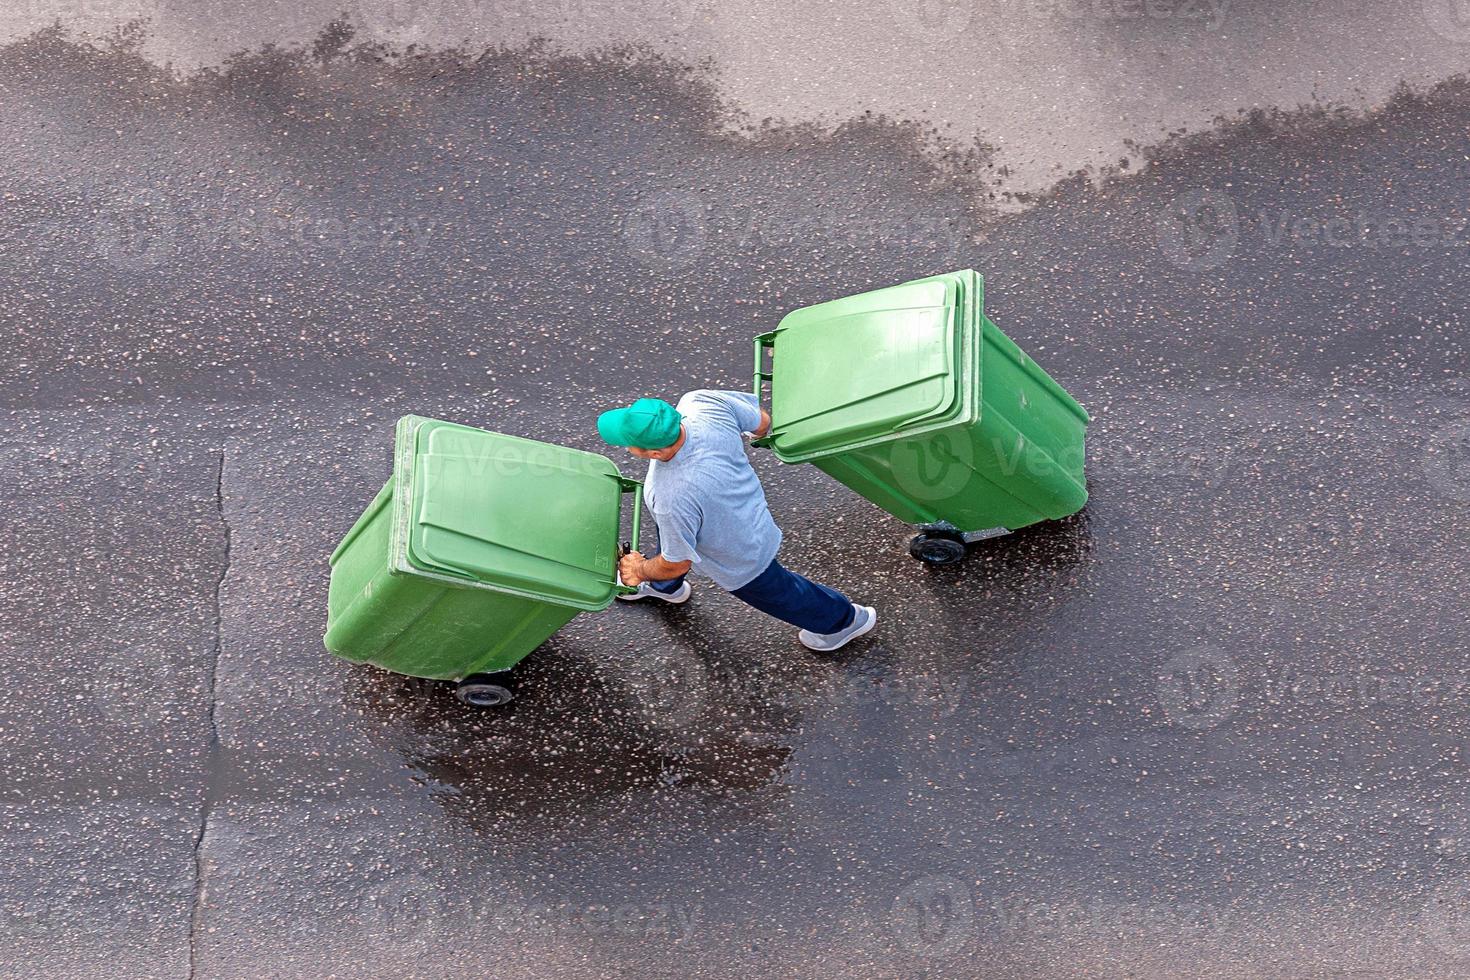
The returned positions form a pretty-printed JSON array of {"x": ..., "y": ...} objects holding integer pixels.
[
  {"x": 765, "y": 426},
  {"x": 630, "y": 568},
  {"x": 634, "y": 569}
]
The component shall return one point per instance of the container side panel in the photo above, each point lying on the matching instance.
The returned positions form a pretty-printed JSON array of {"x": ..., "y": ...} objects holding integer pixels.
[
  {"x": 1015, "y": 483},
  {"x": 359, "y": 571},
  {"x": 539, "y": 624},
  {"x": 460, "y": 631},
  {"x": 975, "y": 478},
  {"x": 869, "y": 474},
  {"x": 952, "y": 476},
  {"x": 380, "y": 502},
  {"x": 1054, "y": 426},
  {"x": 395, "y": 604}
]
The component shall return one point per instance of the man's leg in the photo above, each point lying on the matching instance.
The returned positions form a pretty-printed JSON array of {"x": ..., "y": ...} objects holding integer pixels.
[
  {"x": 797, "y": 600},
  {"x": 669, "y": 587}
]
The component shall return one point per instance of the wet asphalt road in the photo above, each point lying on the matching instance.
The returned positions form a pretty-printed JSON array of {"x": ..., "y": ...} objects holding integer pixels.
[{"x": 1218, "y": 724}]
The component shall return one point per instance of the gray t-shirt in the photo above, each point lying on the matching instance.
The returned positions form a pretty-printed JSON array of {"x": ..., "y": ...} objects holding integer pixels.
[{"x": 707, "y": 500}]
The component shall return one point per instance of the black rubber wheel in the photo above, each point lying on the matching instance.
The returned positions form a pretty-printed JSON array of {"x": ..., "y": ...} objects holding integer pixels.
[
  {"x": 937, "y": 548},
  {"x": 482, "y": 691}
]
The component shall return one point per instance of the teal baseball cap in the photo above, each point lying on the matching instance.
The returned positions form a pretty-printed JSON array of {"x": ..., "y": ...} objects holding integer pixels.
[{"x": 648, "y": 423}]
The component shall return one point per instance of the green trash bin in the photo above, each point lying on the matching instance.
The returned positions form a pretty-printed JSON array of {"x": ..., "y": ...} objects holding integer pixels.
[
  {"x": 478, "y": 548},
  {"x": 910, "y": 396}
]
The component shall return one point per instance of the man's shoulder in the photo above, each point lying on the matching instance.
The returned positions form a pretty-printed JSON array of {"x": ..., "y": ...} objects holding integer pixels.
[
  {"x": 697, "y": 399},
  {"x": 715, "y": 396},
  {"x": 711, "y": 401}
]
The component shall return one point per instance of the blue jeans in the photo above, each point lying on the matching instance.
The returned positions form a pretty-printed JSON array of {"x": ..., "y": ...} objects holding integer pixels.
[{"x": 789, "y": 597}]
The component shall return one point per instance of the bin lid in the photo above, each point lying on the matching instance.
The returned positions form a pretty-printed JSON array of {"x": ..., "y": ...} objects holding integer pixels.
[
  {"x": 514, "y": 514},
  {"x": 858, "y": 369}
]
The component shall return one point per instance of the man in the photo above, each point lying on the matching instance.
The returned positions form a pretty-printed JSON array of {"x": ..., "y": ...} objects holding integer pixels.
[{"x": 712, "y": 515}]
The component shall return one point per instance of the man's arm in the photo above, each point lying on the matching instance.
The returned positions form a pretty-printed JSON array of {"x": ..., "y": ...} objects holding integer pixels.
[
  {"x": 744, "y": 409},
  {"x": 635, "y": 569},
  {"x": 678, "y": 534}
]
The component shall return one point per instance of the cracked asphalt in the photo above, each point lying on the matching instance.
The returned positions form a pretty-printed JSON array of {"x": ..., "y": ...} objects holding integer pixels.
[{"x": 1218, "y": 724}]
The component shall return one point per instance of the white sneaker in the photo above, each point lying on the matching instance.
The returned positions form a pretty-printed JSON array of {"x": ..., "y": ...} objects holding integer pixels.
[
  {"x": 647, "y": 591},
  {"x": 864, "y": 619}
]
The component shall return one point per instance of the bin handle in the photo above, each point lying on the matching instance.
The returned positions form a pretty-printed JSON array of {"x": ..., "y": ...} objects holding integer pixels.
[
  {"x": 765, "y": 342},
  {"x": 635, "y": 488}
]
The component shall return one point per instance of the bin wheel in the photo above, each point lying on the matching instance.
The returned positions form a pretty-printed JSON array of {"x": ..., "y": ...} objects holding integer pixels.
[
  {"x": 481, "y": 691},
  {"x": 938, "y": 547}
]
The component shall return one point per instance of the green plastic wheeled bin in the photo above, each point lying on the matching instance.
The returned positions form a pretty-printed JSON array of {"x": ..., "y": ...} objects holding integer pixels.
[
  {"x": 910, "y": 396},
  {"x": 478, "y": 548}
]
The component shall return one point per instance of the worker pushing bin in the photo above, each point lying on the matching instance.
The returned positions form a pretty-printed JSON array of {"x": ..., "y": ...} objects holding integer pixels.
[
  {"x": 913, "y": 398},
  {"x": 478, "y": 549}
]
